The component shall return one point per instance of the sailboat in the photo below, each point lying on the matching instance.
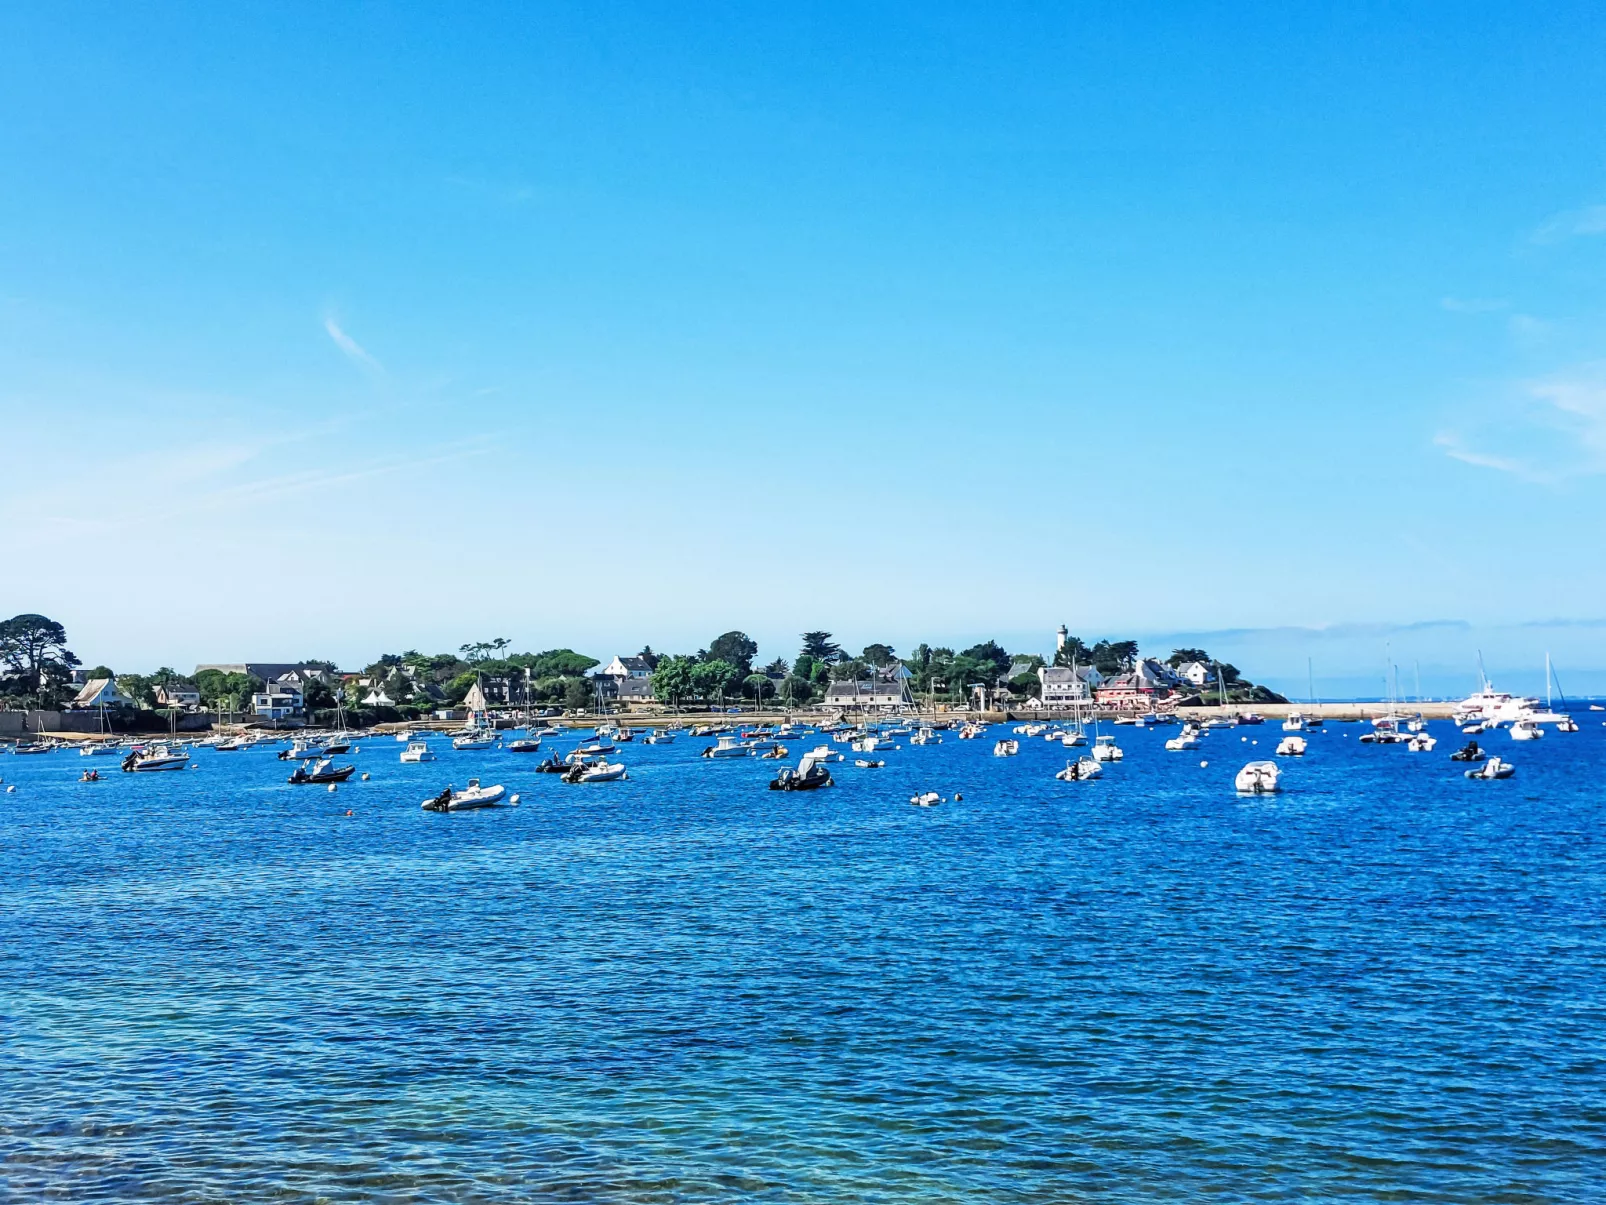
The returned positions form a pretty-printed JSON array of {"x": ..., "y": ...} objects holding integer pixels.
[
  {"x": 1314, "y": 719},
  {"x": 1564, "y": 722}
]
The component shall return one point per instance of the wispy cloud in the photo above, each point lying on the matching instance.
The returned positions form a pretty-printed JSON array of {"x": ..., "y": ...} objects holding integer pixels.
[
  {"x": 355, "y": 352},
  {"x": 1455, "y": 449},
  {"x": 1572, "y": 223},
  {"x": 1472, "y": 305},
  {"x": 1550, "y": 430}
]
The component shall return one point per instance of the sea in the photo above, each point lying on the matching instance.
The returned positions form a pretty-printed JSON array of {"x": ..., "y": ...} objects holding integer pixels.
[{"x": 1385, "y": 983}]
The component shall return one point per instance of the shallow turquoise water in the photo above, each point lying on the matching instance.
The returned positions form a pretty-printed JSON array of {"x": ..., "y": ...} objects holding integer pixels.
[{"x": 1386, "y": 983}]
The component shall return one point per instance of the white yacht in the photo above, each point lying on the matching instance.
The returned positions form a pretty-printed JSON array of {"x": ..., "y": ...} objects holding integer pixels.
[
  {"x": 417, "y": 751},
  {"x": 1295, "y": 722}
]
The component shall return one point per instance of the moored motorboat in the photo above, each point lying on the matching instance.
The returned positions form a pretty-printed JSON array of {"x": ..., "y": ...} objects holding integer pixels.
[
  {"x": 1421, "y": 742},
  {"x": 729, "y": 745},
  {"x": 470, "y": 797},
  {"x": 600, "y": 771},
  {"x": 525, "y": 744},
  {"x": 1258, "y": 778},
  {"x": 1006, "y": 748},
  {"x": 474, "y": 740},
  {"x": 1526, "y": 729},
  {"x": 1080, "y": 770},
  {"x": 157, "y": 757},
  {"x": 926, "y": 799},
  {"x": 810, "y": 774},
  {"x": 1105, "y": 749},
  {"x": 1469, "y": 752},
  {"x": 320, "y": 770},
  {"x": 1291, "y": 746},
  {"x": 1492, "y": 769},
  {"x": 417, "y": 751}
]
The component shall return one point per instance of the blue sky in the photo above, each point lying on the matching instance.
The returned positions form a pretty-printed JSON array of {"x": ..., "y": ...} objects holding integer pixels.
[{"x": 332, "y": 329}]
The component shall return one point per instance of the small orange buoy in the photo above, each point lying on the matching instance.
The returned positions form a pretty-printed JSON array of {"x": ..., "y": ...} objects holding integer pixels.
[{"x": 348, "y": 811}]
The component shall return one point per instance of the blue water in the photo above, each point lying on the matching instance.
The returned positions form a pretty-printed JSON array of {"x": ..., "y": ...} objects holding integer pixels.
[{"x": 1385, "y": 984}]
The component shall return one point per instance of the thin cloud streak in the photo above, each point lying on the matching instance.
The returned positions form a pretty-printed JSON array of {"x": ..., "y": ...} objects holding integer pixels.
[
  {"x": 355, "y": 352},
  {"x": 1573, "y": 223},
  {"x": 1455, "y": 450}
]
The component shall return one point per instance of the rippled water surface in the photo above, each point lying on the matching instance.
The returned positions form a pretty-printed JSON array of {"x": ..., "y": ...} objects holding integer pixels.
[{"x": 1386, "y": 983}]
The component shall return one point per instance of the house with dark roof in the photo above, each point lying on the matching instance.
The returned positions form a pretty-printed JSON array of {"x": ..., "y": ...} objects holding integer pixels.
[{"x": 887, "y": 693}]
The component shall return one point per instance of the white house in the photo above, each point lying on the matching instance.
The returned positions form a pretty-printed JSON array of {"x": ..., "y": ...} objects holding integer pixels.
[
  {"x": 277, "y": 701},
  {"x": 102, "y": 692},
  {"x": 1062, "y": 686},
  {"x": 627, "y": 678},
  {"x": 1196, "y": 673}
]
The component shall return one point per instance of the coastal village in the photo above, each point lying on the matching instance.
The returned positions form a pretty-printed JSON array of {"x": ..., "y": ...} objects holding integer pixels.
[{"x": 42, "y": 675}]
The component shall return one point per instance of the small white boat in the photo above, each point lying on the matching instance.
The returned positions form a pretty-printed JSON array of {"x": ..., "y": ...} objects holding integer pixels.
[
  {"x": 729, "y": 745},
  {"x": 408, "y": 737},
  {"x": 1258, "y": 778},
  {"x": 1421, "y": 743},
  {"x": 525, "y": 744},
  {"x": 1006, "y": 748},
  {"x": 1295, "y": 722},
  {"x": 1566, "y": 724},
  {"x": 865, "y": 763},
  {"x": 1182, "y": 742},
  {"x": 99, "y": 749},
  {"x": 473, "y": 740},
  {"x": 470, "y": 797},
  {"x": 824, "y": 753},
  {"x": 1492, "y": 769},
  {"x": 1105, "y": 749},
  {"x": 1291, "y": 746},
  {"x": 926, "y": 799},
  {"x": 926, "y": 736},
  {"x": 417, "y": 751},
  {"x": 602, "y": 771},
  {"x": 157, "y": 757},
  {"x": 659, "y": 738},
  {"x": 1073, "y": 740},
  {"x": 1526, "y": 730},
  {"x": 1080, "y": 770}
]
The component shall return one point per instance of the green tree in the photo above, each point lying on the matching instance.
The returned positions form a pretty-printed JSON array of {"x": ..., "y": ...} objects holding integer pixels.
[
  {"x": 226, "y": 691},
  {"x": 734, "y": 648},
  {"x": 878, "y": 655},
  {"x": 578, "y": 694},
  {"x": 139, "y": 687},
  {"x": 555, "y": 663},
  {"x": 647, "y": 655},
  {"x": 712, "y": 678},
  {"x": 758, "y": 687},
  {"x": 777, "y": 668},
  {"x": 818, "y": 646},
  {"x": 100, "y": 671},
  {"x": 989, "y": 653},
  {"x": 32, "y": 646},
  {"x": 851, "y": 670},
  {"x": 1072, "y": 653},
  {"x": 672, "y": 680},
  {"x": 1112, "y": 656},
  {"x": 799, "y": 692},
  {"x": 1183, "y": 656}
]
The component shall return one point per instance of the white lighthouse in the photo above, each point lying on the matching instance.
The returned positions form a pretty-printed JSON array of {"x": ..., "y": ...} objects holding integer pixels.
[{"x": 1059, "y": 638}]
